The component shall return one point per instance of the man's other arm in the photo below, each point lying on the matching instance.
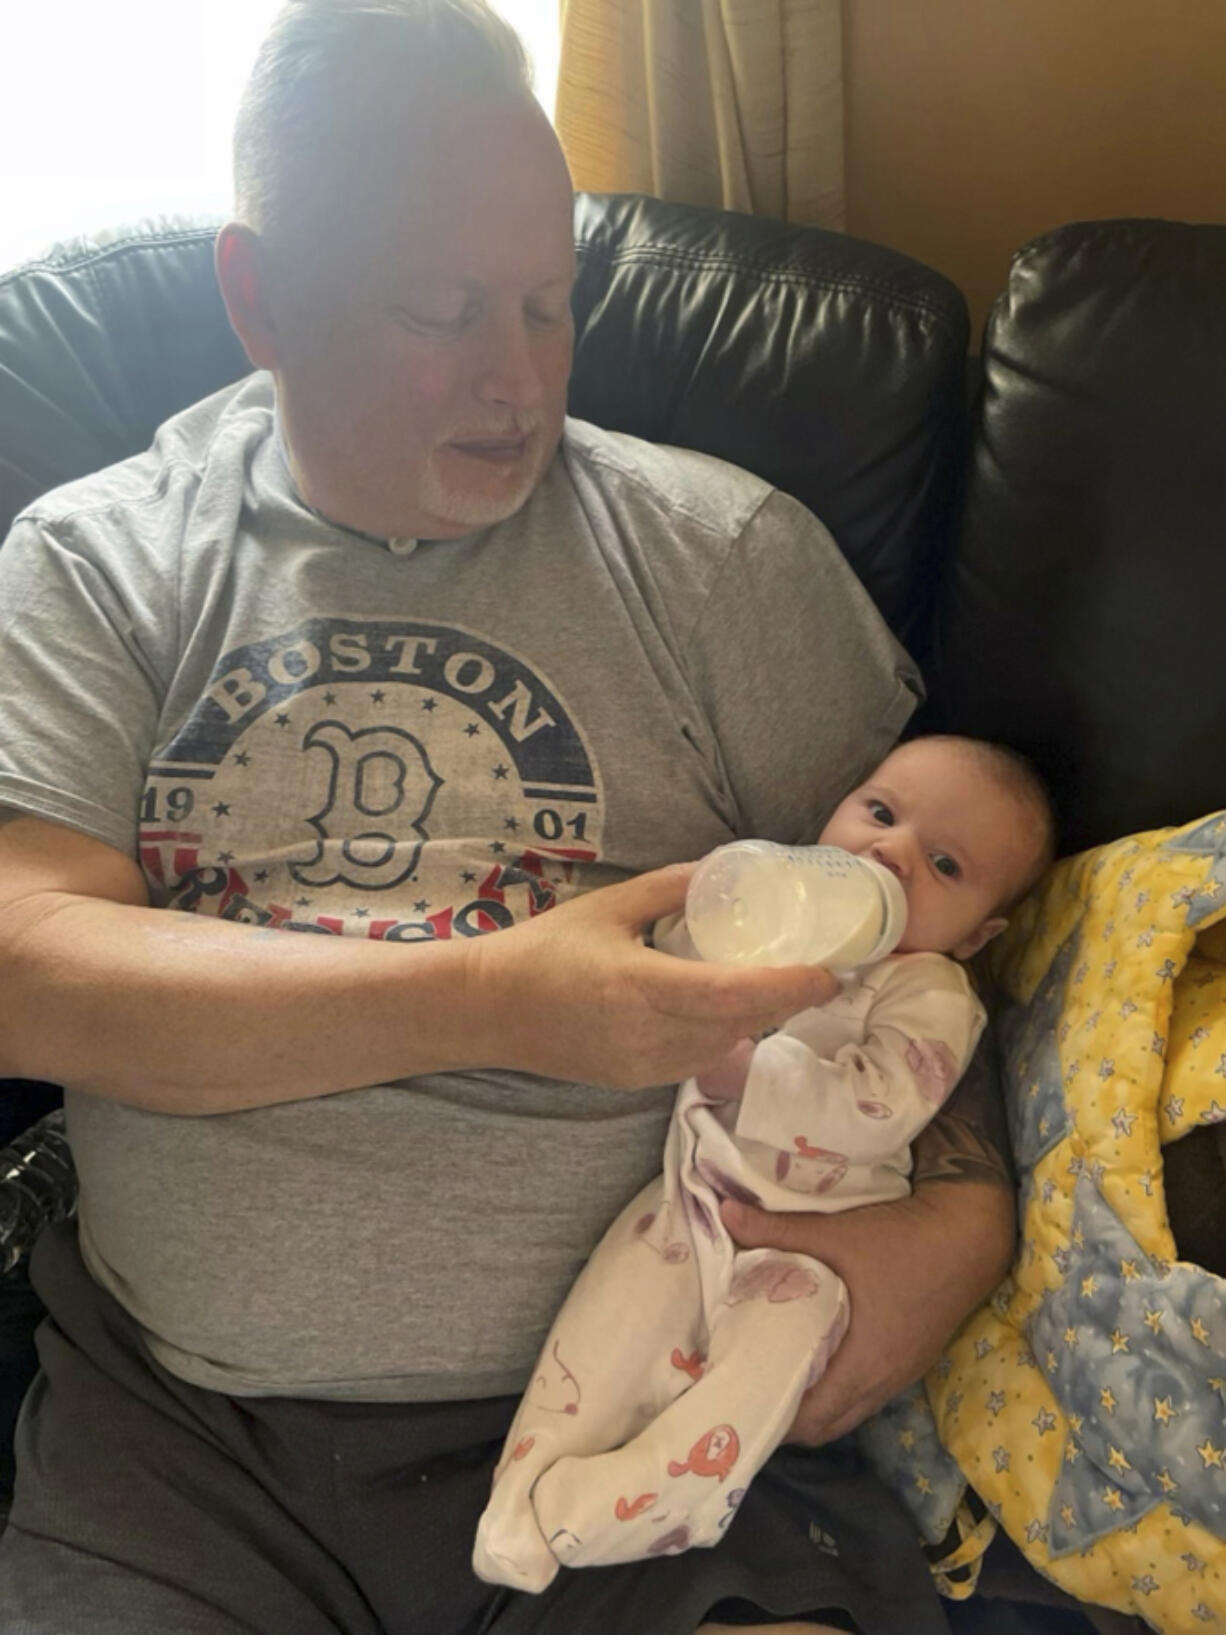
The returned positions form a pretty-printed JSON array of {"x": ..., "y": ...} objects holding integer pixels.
[{"x": 188, "y": 1014}]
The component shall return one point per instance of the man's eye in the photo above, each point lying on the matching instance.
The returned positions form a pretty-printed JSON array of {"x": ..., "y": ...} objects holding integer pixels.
[
  {"x": 880, "y": 812},
  {"x": 944, "y": 864},
  {"x": 548, "y": 317},
  {"x": 439, "y": 316}
]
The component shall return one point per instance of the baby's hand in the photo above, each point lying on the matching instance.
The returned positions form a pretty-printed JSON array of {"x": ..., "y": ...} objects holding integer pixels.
[{"x": 726, "y": 1080}]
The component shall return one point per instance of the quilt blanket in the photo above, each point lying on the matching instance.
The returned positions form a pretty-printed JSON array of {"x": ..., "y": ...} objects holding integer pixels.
[{"x": 1086, "y": 1404}]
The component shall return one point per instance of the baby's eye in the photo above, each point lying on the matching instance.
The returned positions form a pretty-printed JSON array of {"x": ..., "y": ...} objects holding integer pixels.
[
  {"x": 880, "y": 812},
  {"x": 944, "y": 864}
]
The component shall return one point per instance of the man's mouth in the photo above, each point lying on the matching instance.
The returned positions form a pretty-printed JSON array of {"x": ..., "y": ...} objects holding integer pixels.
[{"x": 497, "y": 450}]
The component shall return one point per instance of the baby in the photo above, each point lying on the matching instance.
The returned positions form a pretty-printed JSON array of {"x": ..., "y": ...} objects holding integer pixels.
[{"x": 677, "y": 1364}]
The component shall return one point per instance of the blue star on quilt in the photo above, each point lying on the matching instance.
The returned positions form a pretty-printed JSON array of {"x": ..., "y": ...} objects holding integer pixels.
[
  {"x": 1208, "y": 839},
  {"x": 1151, "y": 1423},
  {"x": 1030, "y": 1061},
  {"x": 902, "y": 1445}
]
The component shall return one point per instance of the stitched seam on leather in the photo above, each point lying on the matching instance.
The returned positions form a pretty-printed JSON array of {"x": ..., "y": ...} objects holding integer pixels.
[
  {"x": 119, "y": 246},
  {"x": 700, "y": 261}
]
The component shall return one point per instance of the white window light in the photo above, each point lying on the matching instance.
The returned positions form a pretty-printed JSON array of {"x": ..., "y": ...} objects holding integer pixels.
[{"x": 114, "y": 112}]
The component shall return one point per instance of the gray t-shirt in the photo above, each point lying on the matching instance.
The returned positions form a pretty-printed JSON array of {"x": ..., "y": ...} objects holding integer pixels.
[{"x": 293, "y": 725}]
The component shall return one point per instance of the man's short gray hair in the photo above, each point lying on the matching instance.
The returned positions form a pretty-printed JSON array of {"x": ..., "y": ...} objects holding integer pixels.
[{"x": 316, "y": 50}]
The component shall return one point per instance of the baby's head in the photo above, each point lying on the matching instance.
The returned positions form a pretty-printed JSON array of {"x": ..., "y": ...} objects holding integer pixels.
[{"x": 966, "y": 826}]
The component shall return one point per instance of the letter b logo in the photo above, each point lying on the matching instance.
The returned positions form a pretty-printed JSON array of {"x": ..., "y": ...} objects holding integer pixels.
[{"x": 371, "y": 827}]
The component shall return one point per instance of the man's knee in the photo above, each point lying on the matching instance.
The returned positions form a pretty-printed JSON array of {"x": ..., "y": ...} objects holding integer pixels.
[{"x": 47, "y": 1587}]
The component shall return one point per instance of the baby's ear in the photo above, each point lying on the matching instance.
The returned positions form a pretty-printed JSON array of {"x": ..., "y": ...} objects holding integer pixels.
[{"x": 979, "y": 938}]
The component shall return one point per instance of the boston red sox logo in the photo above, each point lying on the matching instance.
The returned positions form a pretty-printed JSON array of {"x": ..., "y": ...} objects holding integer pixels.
[
  {"x": 388, "y": 779},
  {"x": 380, "y": 785}
]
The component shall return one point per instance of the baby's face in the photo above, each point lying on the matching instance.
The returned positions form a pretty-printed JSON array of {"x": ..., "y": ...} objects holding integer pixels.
[{"x": 959, "y": 842}]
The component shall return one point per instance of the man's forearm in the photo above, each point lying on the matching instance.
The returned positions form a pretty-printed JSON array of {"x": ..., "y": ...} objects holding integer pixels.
[
  {"x": 978, "y": 1216},
  {"x": 915, "y": 1268},
  {"x": 197, "y": 1015},
  {"x": 969, "y": 1138},
  {"x": 191, "y": 1014}
]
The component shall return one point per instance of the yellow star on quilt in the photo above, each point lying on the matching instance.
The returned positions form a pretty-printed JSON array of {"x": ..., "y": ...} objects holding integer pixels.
[
  {"x": 1067, "y": 1514},
  {"x": 1211, "y": 1455},
  {"x": 1070, "y": 1336},
  {"x": 1199, "y": 1331},
  {"x": 1128, "y": 1270},
  {"x": 1117, "y": 1460},
  {"x": 1089, "y": 1285},
  {"x": 1075, "y": 1423},
  {"x": 1163, "y": 1411},
  {"x": 1112, "y": 1499},
  {"x": 1153, "y": 1320},
  {"x": 906, "y": 1439},
  {"x": 1119, "y": 1342},
  {"x": 1166, "y": 1481},
  {"x": 922, "y": 1482},
  {"x": 1108, "y": 1399}
]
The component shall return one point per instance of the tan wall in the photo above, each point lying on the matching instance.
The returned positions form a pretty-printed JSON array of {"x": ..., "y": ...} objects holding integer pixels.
[{"x": 972, "y": 125}]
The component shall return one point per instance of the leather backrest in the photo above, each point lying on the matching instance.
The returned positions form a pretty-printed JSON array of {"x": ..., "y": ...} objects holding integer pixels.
[
  {"x": 1084, "y": 618},
  {"x": 831, "y": 367},
  {"x": 100, "y": 341}
]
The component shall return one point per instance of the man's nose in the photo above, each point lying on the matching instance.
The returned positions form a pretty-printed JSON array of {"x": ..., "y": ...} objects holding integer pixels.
[{"x": 509, "y": 372}]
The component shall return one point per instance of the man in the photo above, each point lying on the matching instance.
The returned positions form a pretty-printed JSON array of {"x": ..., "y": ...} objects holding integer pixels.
[{"x": 361, "y": 649}]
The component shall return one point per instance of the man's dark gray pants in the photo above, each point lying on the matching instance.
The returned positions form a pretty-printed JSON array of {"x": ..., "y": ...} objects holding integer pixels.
[{"x": 145, "y": 1505}]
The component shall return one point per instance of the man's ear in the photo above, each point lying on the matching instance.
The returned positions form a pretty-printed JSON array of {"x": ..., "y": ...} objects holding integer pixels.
[
  {"x": 242, "y": 273},
  {"x": 979, "y": 938}
]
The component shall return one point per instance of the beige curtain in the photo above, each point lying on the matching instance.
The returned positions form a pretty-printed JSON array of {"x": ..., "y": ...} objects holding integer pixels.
[{"x": 736, "y": 103}]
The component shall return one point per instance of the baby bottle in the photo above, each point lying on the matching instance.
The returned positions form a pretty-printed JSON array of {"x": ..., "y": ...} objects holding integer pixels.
[{"x": 757, "y": 903}]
